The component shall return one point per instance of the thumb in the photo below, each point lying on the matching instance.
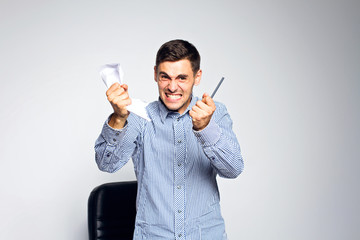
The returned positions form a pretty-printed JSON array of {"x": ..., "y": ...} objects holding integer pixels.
[
  {"x": 208, "y": 100},
  {"x": 124, "y": 86},
  {"x": 204, "y": 97}
]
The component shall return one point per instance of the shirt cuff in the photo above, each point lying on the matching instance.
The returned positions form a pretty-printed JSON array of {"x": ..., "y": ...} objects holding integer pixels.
[
  {"x": 209, "y": 135},
  {"x": 112, "y": 135}
]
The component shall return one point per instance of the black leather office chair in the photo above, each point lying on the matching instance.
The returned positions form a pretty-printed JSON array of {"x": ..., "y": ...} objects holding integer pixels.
[{"x": 111, "y": 211}]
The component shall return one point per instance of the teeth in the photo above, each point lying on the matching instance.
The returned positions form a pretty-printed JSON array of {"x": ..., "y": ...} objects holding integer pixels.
[{"x": 173, "y": 96}]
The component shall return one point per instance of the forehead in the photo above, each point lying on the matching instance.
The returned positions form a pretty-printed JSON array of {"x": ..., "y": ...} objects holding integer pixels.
[{"x": 175, "y": 68}]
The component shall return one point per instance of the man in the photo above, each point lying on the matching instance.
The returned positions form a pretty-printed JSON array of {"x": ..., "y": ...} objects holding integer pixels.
[{"x": 177, "y": 155}]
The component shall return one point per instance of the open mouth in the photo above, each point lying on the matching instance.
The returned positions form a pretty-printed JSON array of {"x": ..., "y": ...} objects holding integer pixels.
[{"x": 173, "y": 97}]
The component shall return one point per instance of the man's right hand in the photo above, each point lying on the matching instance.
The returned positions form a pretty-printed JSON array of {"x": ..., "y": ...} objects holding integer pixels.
[{"x": 118, "y": 97}]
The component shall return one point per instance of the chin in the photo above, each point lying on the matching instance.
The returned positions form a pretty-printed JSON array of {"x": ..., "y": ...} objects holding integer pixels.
[{"x": 172, "y": 107}]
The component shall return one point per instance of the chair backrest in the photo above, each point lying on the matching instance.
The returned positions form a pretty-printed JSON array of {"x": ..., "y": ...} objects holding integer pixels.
[{"x": 112, "y": 211}]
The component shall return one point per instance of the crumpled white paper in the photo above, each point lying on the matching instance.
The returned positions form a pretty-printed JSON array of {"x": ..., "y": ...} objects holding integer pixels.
[{"x": 112, "y": 73}]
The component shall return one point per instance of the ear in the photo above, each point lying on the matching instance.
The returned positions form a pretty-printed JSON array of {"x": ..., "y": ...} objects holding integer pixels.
[
  {"x": 198, "y": 77},
  {"x": 155, "y": 74}
]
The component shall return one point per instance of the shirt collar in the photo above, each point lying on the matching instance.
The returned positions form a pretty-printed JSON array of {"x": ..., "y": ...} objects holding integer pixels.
[{"x": 164, "y": 112}]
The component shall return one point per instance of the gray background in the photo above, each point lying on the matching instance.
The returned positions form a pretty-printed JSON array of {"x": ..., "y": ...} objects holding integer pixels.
[{"x": 291, "y": 85}]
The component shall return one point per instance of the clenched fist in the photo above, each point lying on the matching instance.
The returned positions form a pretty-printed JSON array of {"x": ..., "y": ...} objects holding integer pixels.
[
  {"x": 118, "y": 97},
  {"x": 201, "y": 112}
]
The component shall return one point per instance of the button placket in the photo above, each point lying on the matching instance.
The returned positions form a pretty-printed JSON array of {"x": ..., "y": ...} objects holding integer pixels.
[{"x": 179, "y": 178}]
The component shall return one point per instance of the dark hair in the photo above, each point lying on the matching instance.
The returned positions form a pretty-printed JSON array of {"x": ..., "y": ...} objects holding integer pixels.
[{"x": 176, "y": 50}]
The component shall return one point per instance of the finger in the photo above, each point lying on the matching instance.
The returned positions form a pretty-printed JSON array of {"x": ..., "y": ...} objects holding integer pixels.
[
  {"x": 201, "y": 104},
  {"x": 205, "y": 95},
  {"x": 117, "y": 96},
  {"x": 122, "y": 102},
  {"x": 203, "y": 99},
  {"x": 115, "y": 87},
  {"x": 204, "y": 107},
  {"x": 196, "y": 109},
  {"x": 117, "y": 90},
  {"x": 198, "y": 113},
  {"x": 192, "y": 113},
  {"x": 208, "y": 100}
]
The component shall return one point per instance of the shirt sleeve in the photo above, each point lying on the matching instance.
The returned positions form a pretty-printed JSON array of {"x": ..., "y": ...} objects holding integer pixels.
[
  {"x": 220, "y": 144},
  {"x": 114, "y": 147}
]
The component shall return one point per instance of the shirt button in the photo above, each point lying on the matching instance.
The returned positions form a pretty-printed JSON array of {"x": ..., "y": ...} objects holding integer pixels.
[
  {"x": 179, "y": 141},
  {"x": 178, "y": 119},
  {"x": 108, "y": 154},
  {"x": 179, "y": 211},
  {"x": 178, "y": 187},
  {"x": 180, "y": 235},
  {"x": 117, "y": 134},
  {"x": 179, "y": 164},
  {"x": 114, "y": 139}
]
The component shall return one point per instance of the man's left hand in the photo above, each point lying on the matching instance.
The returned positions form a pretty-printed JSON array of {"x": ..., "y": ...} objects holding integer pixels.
[{"x": 201, "y": 112}]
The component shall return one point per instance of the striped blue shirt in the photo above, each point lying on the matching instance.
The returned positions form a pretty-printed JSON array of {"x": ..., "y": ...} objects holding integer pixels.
[{"x": 176, "y": 169}]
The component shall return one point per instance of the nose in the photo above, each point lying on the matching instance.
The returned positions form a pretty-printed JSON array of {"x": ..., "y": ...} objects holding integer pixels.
[{"x": 172, "y": 85}]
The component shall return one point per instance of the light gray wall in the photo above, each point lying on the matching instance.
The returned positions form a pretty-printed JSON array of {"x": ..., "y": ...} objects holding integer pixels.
[{"x": 292, "y": 88}]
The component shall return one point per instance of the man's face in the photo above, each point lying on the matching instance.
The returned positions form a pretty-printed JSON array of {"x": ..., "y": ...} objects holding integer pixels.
[{"x": 175, "y": 82}]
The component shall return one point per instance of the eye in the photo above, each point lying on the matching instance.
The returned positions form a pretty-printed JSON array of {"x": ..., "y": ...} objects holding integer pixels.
[{"x": 182, "y": 78}]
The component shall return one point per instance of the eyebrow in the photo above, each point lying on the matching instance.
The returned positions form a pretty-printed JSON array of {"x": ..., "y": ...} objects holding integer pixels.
[
  {"x": 163, "y": 73},
  {"x": 182, "y": 76}
]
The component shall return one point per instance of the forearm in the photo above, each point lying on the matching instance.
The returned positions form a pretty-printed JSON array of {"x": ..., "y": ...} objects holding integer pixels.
[
  {"x": 114, "y": 147},
  {"x": 117, "y": 122},
  {"x": 223, "y": 153},
  {"x": 221, "y": 147}
]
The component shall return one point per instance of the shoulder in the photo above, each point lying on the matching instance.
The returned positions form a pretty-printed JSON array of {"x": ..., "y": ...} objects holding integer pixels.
[
  {"x": 152, "y": 106},
  {"x": 153, "y": 109}
]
